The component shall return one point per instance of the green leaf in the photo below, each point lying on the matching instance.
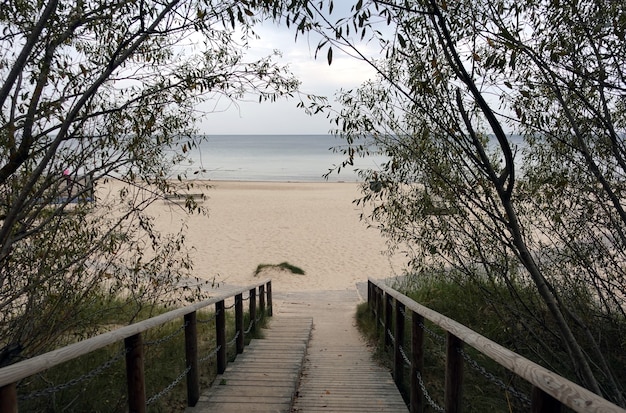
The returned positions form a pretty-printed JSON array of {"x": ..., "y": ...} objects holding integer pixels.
[
  {"x": 401, "y": 41},
  {"x": 338, "y": 33}
]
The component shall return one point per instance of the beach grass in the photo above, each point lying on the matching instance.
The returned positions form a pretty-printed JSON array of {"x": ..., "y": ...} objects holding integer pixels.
[
  {"x": 483, "y": 378},
  {"x": 282, "y": 266},
  {"x": 96, "y": 382}
]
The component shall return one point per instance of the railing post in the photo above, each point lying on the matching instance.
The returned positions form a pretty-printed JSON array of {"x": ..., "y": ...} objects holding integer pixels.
[
  {"x": 262, "y": 300},
  {"x": 372, "y": 296},
  {"x": 416, "y": 395},
  {"x": 8, "y": 398},
  {"x": 252, "y": 309},
  {"x": 454, "y": 374},
  {"x": 270, "y": 311},
  {"x": 379, "y": 306},
  {"x": 373, "y": 300},
  {"x": 388, "y": 318},
  {"x": 220, "y": 335},
  {"x": 398, "y": 360},
  {"x": 135, "y": 374},
  {"x": 239, "y": 323},
  {"x": 191, "y": 355},
  {"x": 542, "y": 402}
]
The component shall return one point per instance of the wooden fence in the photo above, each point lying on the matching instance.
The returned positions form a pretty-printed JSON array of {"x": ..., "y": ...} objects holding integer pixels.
[
  {"x": 133, "y": 342},
  {"x": 550, "y": 391}
]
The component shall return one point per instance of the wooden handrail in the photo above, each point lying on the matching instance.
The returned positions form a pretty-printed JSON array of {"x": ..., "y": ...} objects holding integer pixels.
[
  {"x": 561, "y": 389},
  {"x": 10, "y": 375}
]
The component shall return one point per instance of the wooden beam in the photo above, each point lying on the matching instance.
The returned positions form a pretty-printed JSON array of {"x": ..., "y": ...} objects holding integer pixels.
[
  {"x": 398, "y": 360},
  {"x": 542, "y": 402},
  {"x": 18, "y": 371},
  {"x": 416, "y": 395},
  {"x": 388, "y": 318},
  {"x": 270, "y": 311},
  {"x": 565, "y": 391},
  {"x": 191, "y": 356},
  {"x": 262, "y": 299},
  {"x": 135, "y": 378},
  {"x": 252, "y": 309},
  {"x": 454, "y": 374},
  {"x": 8, "y": 398},
  {"x": 239, "y": 323},
  {"x": 220, "y": 336}
]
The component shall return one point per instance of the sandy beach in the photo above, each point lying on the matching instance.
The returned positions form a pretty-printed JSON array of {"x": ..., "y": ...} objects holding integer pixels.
[{"x": 314, "y": 226}]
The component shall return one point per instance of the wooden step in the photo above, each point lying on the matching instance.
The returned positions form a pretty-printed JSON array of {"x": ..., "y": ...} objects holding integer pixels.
[
  {"x": 265, "y": 377},
  {"x": 339, "y": 373}
]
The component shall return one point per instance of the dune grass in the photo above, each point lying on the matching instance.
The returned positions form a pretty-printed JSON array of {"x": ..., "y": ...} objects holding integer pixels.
[
  {"x": 282, "y": 266},
  {"x": 466, "y": 303},
  {"x": 96, "y": 382}
]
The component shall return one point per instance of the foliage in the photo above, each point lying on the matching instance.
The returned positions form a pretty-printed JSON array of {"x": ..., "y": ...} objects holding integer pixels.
[
  {"x": 458, "y": 81},
  {"x": 105, "y": 388},
  {"x": 283, "y": 266},
  {"x": 98, "y": 95},
  {"x": 463, "y": 300}
]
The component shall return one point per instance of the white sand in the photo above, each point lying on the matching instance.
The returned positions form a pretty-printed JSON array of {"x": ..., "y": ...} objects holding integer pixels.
[{"x": 314, "y": 226}]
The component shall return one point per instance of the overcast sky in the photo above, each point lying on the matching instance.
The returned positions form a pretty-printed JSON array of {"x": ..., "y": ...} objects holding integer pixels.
[{"x": 283, "y": 117}]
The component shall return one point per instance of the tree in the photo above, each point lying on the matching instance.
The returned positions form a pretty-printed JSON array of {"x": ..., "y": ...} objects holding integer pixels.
[
  {"x": 458, "y": 79},
  {"x": 94, "y": 91}
]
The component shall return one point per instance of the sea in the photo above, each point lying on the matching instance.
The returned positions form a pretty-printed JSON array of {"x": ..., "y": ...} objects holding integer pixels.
[
  {"x": 281, "y": 158},
  {"x": 276, "y": 158}
]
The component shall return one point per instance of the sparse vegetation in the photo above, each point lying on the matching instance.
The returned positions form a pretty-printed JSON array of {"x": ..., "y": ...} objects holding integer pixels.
[
  {"x": 503, "y": 123},
  {"x": 282, "y": 266},
  {"x": 467, "y": 303},
  {"x": 98, "y": 107},
  {"x": 96, "y": 382}
]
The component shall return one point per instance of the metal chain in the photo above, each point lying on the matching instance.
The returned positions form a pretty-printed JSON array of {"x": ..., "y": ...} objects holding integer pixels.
[
  {"x": 402, "y": 312},
  {"x": 431, "y": 333},
  {"x": 209, "y": 320},
  {"x": 168, "y": 388},
  {"x": 393, "y": 339},
  {"x": 489, "y": 376},
  {"x": 230, "y": 306},
  {"x": 211, "y": 354},
  {"x": 494, "y": 379},
  {"x": 405, "y": 357},
  {"x": 231, "y": 342},
  {"x": 166, "y": 338},
  {"x": 89, "y": 375},
  {"x": 429, "y": 399},
  {"x": 249, "y": 327}
]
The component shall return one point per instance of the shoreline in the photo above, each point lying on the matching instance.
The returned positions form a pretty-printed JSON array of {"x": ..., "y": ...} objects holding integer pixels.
[{"x": 264, "y": 181}]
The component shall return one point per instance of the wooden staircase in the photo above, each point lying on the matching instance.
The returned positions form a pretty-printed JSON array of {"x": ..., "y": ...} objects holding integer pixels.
[{"x": 265, "y": 377}]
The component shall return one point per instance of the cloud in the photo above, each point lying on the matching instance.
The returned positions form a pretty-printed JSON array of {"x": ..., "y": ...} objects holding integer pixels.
[
  {"x": 316, "y": 75},
  {"x": 345, "y": 71}
]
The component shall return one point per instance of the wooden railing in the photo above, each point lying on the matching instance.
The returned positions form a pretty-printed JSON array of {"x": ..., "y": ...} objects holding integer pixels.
[
  {"x": 133, "y": 343},
  {"x": 550, "y": 391}
]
